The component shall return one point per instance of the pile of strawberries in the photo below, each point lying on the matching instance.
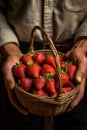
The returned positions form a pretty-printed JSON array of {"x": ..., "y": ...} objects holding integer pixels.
[{"x": 37, "y": 74}]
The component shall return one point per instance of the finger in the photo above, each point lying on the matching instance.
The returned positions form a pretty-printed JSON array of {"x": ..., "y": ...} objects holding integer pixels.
[
  {"x": 81, "y": 71},
  {"x": 78, "y": 78},
  {"x": 79, "y": 96},
  {"x": 9, "y": 82}
]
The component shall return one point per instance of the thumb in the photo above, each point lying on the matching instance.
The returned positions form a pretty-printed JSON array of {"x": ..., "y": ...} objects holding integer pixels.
[{"x": 81, "y": 72}]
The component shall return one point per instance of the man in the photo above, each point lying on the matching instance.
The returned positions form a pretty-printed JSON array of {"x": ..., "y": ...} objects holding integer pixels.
[{"x": 66, "y": 23}]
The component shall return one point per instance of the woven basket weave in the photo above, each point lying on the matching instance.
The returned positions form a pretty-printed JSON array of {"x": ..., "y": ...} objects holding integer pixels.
[{"x": 40, "y": 105}]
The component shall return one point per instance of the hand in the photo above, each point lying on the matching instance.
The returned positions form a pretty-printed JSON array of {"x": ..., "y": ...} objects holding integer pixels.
[
  {"x": 12, "y": 57},
  {"x": 79, "y": 56},
  {"x": 79, "y": 96}
]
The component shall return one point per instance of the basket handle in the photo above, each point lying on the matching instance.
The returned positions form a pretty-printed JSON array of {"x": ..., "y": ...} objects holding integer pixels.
[{"x": 54, "y": 50}]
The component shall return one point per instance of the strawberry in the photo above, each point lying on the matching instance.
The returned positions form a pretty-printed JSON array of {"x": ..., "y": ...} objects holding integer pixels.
[
  {"x": 69, "y": 84},
  {"x": 67, "y": 89},
  {"x": 63, "y": 64},
  {"x": 53, "y": 94},
  {"x": 18, "y": 70},
  {"x": 50, "y": 60},
  {"x": 47, "y": 69},
  {"x": 41, "y": 92},
  {"x": 71, "y": 70},
  {"x": 65, "y": 79},
  {"x": 26, "y": 59},
  {"x": 39, "y": 82},
  {"x": 57, "y": 84},
  {"x": 50, "y": 86},
  {"x": 60, "y": 57},
  {"x": 39, "y": 57},
  {"x": 33, "y": 70},
  {"x": 26, "y": 83}
]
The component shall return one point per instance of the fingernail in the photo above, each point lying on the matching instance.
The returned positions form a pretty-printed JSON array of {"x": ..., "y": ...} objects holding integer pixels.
[{"x": 79, "y": 79}]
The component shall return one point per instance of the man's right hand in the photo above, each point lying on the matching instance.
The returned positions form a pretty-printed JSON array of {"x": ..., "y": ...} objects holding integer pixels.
[{"x": 13, "y": 55}]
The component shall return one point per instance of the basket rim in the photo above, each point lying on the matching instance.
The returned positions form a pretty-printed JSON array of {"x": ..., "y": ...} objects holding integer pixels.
[
  {"x": 45, "y": 50},
  {"x": 50, "y": 100}
]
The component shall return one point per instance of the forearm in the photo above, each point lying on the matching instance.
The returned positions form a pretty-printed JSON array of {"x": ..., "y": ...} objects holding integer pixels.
[{"x": 82, "y": 43}]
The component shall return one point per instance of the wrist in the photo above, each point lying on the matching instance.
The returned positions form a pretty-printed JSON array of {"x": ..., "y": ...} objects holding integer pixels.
[{"x": 81, "y": 43}]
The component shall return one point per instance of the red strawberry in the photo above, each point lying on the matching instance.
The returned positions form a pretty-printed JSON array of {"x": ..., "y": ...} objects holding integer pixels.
[
  {"x": 50, "y": 86},
  {"x": 53, "y": 94},
  {"x": 69, "y": 84},
  {"x": 33, "y": 70},
  {"x": 50, "y": 60},
  {"x": 47, "y": 69},
  {"x": 57, "y": 84},
  {"x": 63, "y": 64},
  {"x": 41, "y": 92},
  {"x": 65, "y": 79},
  {"x": 26, "y": 83},
  {"x": 39, "y": 57},
  {"x": 67, "y": 89},
  {"x": 71, "y": 70},
  {"x": 19, "y": 70},
  {"x": 39, "y": 82},
  {"x": 26, "y": 59},
  {"x": 60, "y": 57}
]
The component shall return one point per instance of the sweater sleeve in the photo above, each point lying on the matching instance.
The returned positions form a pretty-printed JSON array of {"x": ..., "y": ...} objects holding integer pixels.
[
  {"x": 6, "y": 32},
  {"x": 82, "y": 30}
]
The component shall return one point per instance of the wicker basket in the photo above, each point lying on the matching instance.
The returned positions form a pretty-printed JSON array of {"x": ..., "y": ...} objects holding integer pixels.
[{"x": 45, "y": 106}]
